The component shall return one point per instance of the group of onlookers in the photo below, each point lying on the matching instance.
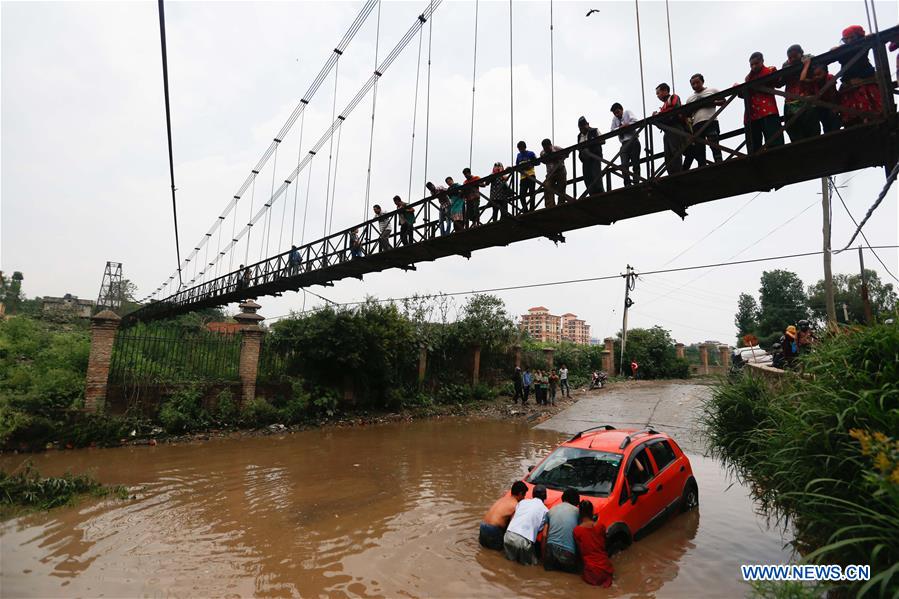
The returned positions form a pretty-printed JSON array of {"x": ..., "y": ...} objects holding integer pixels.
[
  {"x": 545, "y": 384},
  {"x": 686, "y": 134},
  {"x": 797, "y": 339},
  {"x": 568, "y": 536}
]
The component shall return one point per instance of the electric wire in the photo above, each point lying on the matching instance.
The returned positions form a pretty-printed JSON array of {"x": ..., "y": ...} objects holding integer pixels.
[
  {"x": 839, "y": 195},
  {"x": 883, "y": 192}
]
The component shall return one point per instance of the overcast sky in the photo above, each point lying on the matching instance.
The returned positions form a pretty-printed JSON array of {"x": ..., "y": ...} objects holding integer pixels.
[{"x": 85, "y": 169}]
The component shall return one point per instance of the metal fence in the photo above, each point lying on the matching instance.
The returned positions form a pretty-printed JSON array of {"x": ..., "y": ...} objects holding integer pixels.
[{"x": 172, "y": 354}]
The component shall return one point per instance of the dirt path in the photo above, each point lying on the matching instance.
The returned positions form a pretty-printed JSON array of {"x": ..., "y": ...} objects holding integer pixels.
[{"x": 670, "y": 406}]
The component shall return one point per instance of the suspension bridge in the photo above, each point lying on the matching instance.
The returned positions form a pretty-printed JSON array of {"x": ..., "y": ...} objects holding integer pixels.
[{"x": 871, "y": 140}]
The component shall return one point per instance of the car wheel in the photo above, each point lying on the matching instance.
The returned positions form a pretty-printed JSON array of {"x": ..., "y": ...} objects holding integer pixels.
[
  {"x": 618, "y": 543},
  {"x": 690, "y": 498}
]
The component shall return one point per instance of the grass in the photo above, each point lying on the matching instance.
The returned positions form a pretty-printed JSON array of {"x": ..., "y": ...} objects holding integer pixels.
[
  {"x": 821, "y": 452},
  {"x": 26, "y": 490}
]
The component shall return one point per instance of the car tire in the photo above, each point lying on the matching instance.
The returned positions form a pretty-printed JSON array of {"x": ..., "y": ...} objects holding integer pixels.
[
  {"x": 690, "y": 497},
  {"x": 618, "y": 541}
]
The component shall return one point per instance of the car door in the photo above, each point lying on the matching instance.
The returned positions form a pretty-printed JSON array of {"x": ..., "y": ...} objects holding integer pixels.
[
  {"x": 668, "y": 483},
  {"x": 639, "y": 511}
]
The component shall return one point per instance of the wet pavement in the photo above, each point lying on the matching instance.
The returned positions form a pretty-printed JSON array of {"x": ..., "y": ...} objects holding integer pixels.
[{"x": 388, "y": 510}]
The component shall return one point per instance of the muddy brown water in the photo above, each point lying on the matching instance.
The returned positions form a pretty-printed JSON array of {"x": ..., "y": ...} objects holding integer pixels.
[{"x": 389, "y": 510}]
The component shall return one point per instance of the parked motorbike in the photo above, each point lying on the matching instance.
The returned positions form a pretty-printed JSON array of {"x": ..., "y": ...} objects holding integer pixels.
[{"x": 598, "y": 380}]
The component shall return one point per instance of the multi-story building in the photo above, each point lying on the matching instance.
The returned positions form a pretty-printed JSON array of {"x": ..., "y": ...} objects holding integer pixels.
[
  {"x": 575, "y": 329},
  {"x": 68, "y": 305},
  {"x": 540, "y": 325}
]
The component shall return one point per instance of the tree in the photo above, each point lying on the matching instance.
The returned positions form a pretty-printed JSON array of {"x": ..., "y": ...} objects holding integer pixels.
[
  {"x": 782, "y": 301},
  {"x": 747, "y": 317},
  {"x": 11, "y": 291},
  {"x": 847, "y": 289},
  {"x": 653, "y": 350},
  {"x": 485, "y": 322}
]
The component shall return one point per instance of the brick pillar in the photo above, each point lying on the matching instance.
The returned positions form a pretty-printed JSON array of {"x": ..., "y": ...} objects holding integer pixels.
[
  {"x": 606, "y": 360},
  {"x": 679, "y": 350},
  {"x": 610, "y": 347},
  {"x": 548, "y": 354},
  {"x": 725, "y": 355},
  {"x": 103, "y": 330},
  {"x": 516, "y": 354},
  {"x": 422, "y": 363},
  {"x": 475, "y": 365},
  {"x": 251, "y": 341},
  {"x": 704, "y": 358}
]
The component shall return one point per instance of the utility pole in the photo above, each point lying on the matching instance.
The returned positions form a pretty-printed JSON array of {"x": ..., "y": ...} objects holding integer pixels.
[
  {"x": 629, "y": 282},
  {"x": 869, "y": 319},
  {"x": 828, "y": 276}
]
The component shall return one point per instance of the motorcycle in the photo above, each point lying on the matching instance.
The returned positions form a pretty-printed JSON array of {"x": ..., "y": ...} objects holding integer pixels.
[{"x": 598, "y": 380}]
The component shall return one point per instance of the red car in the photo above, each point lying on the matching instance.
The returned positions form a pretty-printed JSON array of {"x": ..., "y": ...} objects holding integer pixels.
[{"x": 634, "y": 478}]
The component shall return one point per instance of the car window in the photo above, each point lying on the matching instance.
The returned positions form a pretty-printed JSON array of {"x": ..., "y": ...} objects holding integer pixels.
[
  {"x": 640, "y": 471},
  {"x": 587, "y": 471},
  {"x": 662, "y": 453}
]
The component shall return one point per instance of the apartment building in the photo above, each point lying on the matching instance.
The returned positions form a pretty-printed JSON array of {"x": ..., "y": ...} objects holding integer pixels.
[{"x": 540, "y": 325}]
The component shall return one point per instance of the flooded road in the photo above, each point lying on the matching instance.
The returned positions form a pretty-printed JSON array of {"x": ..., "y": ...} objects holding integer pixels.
[{"x": 387, "y": 510}]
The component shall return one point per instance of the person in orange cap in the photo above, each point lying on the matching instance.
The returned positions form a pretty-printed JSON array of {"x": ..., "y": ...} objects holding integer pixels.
[{"x": 790, "y": 346}]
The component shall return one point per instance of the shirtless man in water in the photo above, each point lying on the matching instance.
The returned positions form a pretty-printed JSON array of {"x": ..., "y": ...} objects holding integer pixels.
[{"x": 498, "y": 516}]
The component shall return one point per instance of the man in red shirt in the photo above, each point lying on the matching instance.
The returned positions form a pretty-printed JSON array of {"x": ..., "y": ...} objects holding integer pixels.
[
  {"x": 762, "y": 117},
  {"x": 472, "y": 197},
  {"x": 674, "y": 142},
  {"x": 806, "y": 124},
  {"x": 634, "y": 367},
  {"x": 590, "y": 538}
]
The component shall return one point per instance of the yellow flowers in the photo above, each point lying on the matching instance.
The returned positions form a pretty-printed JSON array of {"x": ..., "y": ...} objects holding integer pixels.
[{"x": 884, "y": 452}]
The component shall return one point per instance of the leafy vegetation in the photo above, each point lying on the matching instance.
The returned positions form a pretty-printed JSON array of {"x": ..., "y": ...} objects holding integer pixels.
[
  {"x": 653, "y": 350},
  {"x": 783, "y": 302},
  {"x": 821, "y": 450},
  {"x": 27, "y": 489}
]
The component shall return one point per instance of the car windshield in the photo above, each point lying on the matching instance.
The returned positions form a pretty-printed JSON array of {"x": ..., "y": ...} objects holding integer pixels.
[{"x": 587, "y": 471}]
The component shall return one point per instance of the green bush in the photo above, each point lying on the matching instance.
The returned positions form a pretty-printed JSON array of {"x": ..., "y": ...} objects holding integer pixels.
[
  {"x": 258, "y": 412},
  {"x": 821, "y": 450},
  {"x": 28, "y": 489},
  {"x": 226, "y": 410},
  {"x": 482, "y": 392},
  {"x": 453, "y": 393},
  {"x": 183, "y": 411}
]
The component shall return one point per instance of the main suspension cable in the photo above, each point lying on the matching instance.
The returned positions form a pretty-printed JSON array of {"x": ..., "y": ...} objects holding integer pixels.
[
  {"x": 414, "y": 114},
  {"x": 296, "y": 189},
  {"x": 330, "y": 153},
  {"x": 374, "y": 103},
  {"x": 552, "y": 75},
  {"x": 428, "y": 94},
  {"x": 474, "y": 73}
]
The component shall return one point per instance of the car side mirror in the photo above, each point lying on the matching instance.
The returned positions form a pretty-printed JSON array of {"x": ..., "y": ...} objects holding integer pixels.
[
  {"x": 531, "y": 467},
  {"x": 637, "y": 490}
]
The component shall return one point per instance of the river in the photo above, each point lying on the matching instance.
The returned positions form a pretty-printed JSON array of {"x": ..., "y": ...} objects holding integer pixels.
[{"x": 387, "y": 510}]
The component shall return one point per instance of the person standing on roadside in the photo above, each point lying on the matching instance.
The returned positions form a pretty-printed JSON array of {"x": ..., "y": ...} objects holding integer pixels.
[
  {"x": 526, "y": 380},
  {"x": 553, "y": 381},
  {"x": 563, "y": 381},
  {"x": 634, "y": 367},
  {"x": 517, "y": 385}
]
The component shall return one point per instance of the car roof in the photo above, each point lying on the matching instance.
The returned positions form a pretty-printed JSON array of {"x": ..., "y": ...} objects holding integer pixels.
[{"x": 612, "y": 439}]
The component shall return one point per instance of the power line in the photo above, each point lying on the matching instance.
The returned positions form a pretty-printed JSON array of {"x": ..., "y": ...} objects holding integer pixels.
[
  {"x": 168, "y": 126},
  {"x": 839, "y": 195},
  {"x": 603, "y": 278},
  {"x": 883, "y": 193}
]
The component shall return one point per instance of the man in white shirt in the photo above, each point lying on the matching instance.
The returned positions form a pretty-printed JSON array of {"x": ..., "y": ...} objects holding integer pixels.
[
  {"x": 563, "y": 381},
  {"x": 521, "y": 535},
  {"x": 701, "y": 116},
  {"x": 630, "y": 143}
]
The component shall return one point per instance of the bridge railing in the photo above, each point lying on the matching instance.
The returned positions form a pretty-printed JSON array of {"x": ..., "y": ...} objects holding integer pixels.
[{"x": 505, "y": 200}]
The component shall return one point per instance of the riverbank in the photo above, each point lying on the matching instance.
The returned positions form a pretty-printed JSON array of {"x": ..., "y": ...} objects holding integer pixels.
[{"x": 498, "y": 408}]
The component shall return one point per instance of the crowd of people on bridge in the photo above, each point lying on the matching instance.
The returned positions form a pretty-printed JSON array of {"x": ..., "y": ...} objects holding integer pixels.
[{"x": 813, "y": 105}]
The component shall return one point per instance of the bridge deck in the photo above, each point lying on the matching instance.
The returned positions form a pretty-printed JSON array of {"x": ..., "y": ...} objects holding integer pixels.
[{"x": 830, "y": 154}]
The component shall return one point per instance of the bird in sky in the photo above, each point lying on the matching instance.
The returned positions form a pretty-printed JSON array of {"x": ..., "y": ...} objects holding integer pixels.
[{"x": 591, "y": 11}]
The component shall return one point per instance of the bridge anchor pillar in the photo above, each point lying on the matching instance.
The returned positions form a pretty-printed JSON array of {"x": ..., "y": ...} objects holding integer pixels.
[
  {"x": 251, "y": 342},
  {"x": 103, "y": 331}
]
